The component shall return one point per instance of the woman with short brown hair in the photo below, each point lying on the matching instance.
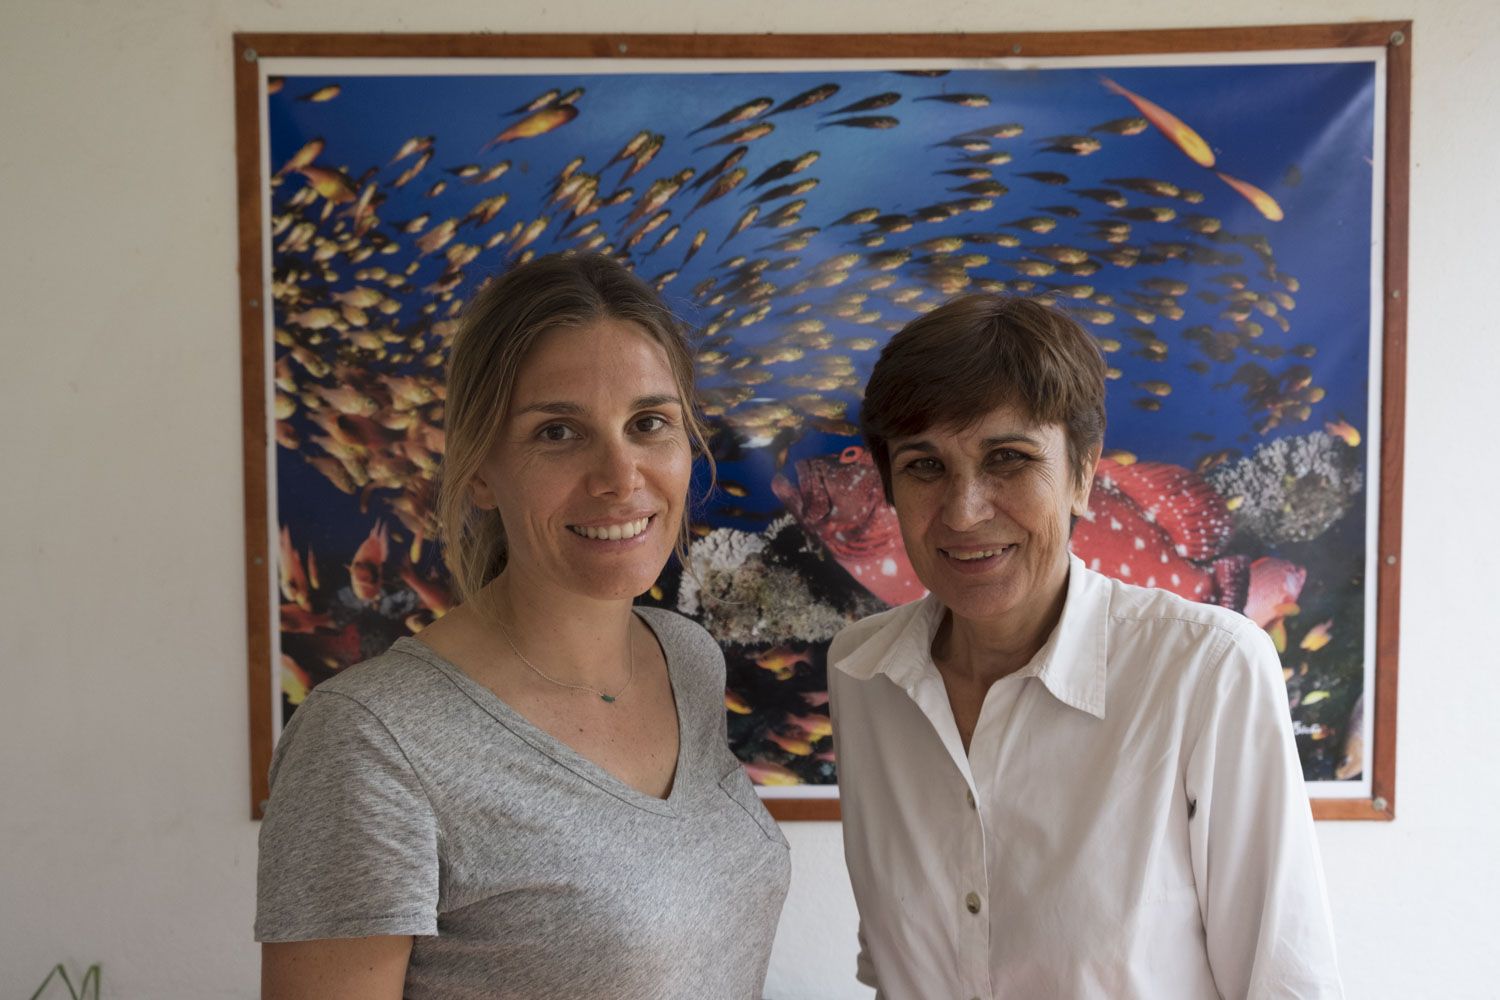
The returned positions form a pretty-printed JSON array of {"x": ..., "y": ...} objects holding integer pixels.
[{"x": 1054, "y": 784}]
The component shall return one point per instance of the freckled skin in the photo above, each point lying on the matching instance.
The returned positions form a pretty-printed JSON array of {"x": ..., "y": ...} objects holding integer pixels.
[
  {"x": 1004, "y": 481},
  {"x": 609, "y": 459}
]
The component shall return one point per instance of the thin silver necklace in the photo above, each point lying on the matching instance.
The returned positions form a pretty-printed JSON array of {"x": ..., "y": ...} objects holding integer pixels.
[{"x": 608, "y": 699}]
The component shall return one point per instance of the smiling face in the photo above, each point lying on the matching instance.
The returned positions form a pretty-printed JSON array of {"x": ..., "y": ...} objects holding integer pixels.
[
  {"x": 984, "y": 512},
  {"x": 590, "y": 469}
]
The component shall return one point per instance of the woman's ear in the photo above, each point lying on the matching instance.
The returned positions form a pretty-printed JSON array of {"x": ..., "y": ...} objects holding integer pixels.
[
  {"x": 1085, "y": 481},
  {"x": 480, "y": 494}
]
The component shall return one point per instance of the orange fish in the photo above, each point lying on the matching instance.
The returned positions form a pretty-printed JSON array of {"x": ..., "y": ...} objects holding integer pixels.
[
  {"x": 740, "y": 225},
  {"x": 293, "y": 619},
  {"x": 365, "y": 575},
  {"x": 771, "y": 775},
  {"x": 1171, "y": 126},
  {"x": 322, "y": 94},
  {"x": 791, "y": 744},
  {"x": 302, "y": 158},
  {"x": 815, "y": 727},
  {"x": 429, "y": 592},
  {"x": 1264, "y": 203},
  {"x": 781, "y": 661},
  {"x": 736, "y": 704},
  {"x": 1344, "y": 432},
  {"x": 294, "y": 586},
  {"x": 1318, "y": 636},
  {"x": 533, "y": 125},
  {"x": 747, "y": 134},
  {"x": 414, "y": 145},
  {"x": 331, "y": 184},
  {"x": 412, "y": 171},
  {"x": 294, "y": 680}
]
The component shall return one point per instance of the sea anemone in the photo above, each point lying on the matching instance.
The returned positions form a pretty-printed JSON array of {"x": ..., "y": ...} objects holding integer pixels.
[{"x": 1292, "y": 489}]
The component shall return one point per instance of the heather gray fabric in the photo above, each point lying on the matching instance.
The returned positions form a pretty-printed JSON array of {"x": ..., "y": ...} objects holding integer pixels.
[{"x": 408, "y": 799}]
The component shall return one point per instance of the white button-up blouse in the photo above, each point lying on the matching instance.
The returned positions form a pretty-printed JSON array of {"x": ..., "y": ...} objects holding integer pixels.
[{"x": 1130, "y": 819}]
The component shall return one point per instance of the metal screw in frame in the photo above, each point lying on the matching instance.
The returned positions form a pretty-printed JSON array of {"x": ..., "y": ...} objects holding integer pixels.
[
  {"x": 1398, "y": 38},
  {"x": 251, "y": 55},
  {"x": 1380, "y": 804}
]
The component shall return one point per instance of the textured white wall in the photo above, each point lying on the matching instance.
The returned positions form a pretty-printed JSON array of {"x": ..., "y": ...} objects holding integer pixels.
[{"x": 123, "y": 836}]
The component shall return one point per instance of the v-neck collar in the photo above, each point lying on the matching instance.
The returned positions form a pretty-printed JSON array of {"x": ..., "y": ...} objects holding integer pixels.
[{"x": 554, "y": 748}]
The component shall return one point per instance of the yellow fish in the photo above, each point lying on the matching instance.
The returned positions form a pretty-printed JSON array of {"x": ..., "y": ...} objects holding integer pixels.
[
  {"x": 1264, "y": 203},
  {"x": 1316, "y": 638},
  {"x": 533, "y": 125},
  {"x": 302, "y": 158},
  {"x": 1171, "y": 126},
  {"x": 323, "y": 94},
  {"x": 1344, "y": 432}
]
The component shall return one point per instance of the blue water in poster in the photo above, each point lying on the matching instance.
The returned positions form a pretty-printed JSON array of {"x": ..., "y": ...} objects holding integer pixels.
[{"x": 796, "y": 220}]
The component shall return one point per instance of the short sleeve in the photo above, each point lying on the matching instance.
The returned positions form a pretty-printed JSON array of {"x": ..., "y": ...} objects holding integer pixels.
[
  {"x": 348, "y": 846},
  {"x": 1255, "y": 852}
]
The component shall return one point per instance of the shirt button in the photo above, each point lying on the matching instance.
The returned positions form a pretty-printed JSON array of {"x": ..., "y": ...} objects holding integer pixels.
[
  {"x": 969, "y": 794},
  {"x": 972, "y": 902}
]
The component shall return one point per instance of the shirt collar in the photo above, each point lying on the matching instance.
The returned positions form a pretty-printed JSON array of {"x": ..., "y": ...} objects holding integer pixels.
[{"x": 1070, "y": 664}]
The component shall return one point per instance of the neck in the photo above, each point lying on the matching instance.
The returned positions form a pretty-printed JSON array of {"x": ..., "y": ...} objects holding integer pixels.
[
  {"x": 572, "y": 639},
  {"x": 984, "y": 650}
]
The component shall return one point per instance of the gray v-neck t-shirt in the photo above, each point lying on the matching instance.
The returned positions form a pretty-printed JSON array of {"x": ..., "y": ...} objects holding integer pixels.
[{"x": 406, "y": 798}]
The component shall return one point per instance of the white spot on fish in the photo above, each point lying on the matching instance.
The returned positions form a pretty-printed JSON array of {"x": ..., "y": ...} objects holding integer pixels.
[{"x": 888, "y": 568}]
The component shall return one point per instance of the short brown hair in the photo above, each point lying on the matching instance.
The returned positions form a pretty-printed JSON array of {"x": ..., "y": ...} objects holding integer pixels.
[
  {"x": 977, "y": 353},
  {"x": 501, "y": 325}
]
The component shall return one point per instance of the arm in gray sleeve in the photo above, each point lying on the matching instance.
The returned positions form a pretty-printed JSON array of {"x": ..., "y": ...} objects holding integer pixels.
[{"x": 348, "y": 847}]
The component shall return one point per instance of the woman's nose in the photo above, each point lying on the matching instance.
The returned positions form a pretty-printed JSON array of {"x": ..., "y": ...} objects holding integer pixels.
[
  {"x": 965, "y": 504},
  {"x": 616, "y": 468}
]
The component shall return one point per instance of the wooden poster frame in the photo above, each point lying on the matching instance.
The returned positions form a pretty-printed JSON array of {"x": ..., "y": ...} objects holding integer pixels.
[{"x": 1393, "y": 36}]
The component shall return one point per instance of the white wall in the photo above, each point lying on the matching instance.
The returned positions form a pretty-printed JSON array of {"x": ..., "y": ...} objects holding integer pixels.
[{"x": 123, "y": 764}]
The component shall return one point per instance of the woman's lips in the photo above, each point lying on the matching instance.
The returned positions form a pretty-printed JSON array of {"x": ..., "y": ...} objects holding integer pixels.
[{"x": 976, "y": 560}]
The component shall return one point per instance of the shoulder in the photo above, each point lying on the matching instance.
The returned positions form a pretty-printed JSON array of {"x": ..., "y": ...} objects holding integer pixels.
[
  {"x": 677, "y": 633},
  {"x": 890, "y": 622},
  {"x": 686, "y": 643},
  {"x": 1207, "y": 647},
  {"x": 396, "y": 680},
  {"x": 1166, "y": 617}
]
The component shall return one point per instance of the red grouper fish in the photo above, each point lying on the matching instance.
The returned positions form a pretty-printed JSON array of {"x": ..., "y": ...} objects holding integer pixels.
[
  {"x": 838, "y": 499},
  {"x": 1161, "y": 525}
]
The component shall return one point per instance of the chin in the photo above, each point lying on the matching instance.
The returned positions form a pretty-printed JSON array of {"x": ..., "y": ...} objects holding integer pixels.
[
  {"x": 979, "y": 603},
  {"x": 622, "y": 584}
]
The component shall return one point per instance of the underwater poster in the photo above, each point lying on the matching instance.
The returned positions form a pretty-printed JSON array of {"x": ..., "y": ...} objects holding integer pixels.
[{"x": 1214, "y": 224}]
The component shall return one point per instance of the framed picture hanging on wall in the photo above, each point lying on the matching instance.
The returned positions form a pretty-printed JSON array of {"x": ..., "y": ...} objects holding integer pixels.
[{"x": 1224, "y": 210}]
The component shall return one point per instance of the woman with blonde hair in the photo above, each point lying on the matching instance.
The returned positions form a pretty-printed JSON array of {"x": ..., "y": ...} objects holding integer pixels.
[{"x": 534, "y": 797}]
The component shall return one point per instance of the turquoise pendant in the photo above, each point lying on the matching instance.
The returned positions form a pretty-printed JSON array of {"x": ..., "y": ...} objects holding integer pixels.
[{"x": 607, "y": 697}]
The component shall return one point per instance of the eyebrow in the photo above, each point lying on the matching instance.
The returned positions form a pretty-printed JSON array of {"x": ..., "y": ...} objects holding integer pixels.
[
  {"x": 562, "y": 408},
  {"x": 925, "y": 447}
]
